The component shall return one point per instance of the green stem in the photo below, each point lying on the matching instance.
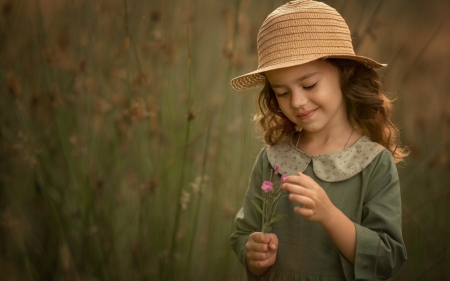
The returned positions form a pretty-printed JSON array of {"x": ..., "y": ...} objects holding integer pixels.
[
  {"x": 368, "y": 26},
  {"x": 199, "y": 200},
  {"x": 173, "y": 243}
]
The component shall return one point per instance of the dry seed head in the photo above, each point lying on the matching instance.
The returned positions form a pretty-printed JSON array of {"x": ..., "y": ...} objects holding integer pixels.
[
  {"x": 228, "y": 211},
  {"x": 157, "y": 35},
  {"x": 123, "y": 128},
  {"x": 227, "y": 49},
  {"x": 14, "y": 85},
  {"x": 153, "y": 113},
  {"x": 73, "y": 139},
  {"x": 118, "y": 99},
  {"x": 7, "y": 8},
  {"x": 82, "y": 65},
  {"x": 53, "y": 96},
  {"x": 237, "y": 60},
  {"x": 155, "y": 15},
  {"x": 57, "y": 58},
  {"x": 192, "y": 114},
  {"x": 149, "y": 187},
  {"x": 15, "y": 224},
  {"x": 93, "y": 230},
  {"x": 153, "y": 184},
  {"x": 91, "y": 85},
  {"x": 441, "y": 159},
  {"x": 64, "y": 39},
  {"x": 8, "y": 219},
  {"x": 138, "y": 110},
  {"x": 185, "y": 198},
  {"x": 102, "y": 106},
  {"x": 65, "y": 259},
  {"x": 142, "y": 79},
  {"x": 199, "y": 183},
  {"x": 132, "y": 181},
  {"x": 27, "y": 150}
]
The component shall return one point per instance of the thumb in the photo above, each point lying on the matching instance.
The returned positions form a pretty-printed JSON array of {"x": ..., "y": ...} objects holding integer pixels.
[{"x": 273, "y": 243}]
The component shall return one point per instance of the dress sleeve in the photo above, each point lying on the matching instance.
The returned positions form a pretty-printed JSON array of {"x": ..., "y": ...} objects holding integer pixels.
[
  {"x": 380, "y": 250},
  {"x": 248, "y": 219}
]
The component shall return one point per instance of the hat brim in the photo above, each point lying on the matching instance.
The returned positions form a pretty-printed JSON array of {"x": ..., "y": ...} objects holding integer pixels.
[{"x": 255, "y": 78}]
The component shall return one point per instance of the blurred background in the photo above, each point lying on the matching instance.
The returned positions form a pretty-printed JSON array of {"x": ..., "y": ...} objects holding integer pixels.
[{"x": 125, "y": 153}]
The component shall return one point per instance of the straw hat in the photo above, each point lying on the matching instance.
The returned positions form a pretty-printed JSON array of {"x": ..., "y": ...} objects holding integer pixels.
[{"x": 300, "y": 32}]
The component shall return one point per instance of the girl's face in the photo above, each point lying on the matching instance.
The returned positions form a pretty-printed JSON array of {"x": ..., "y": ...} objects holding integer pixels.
[{"x": 310, "y": 95}]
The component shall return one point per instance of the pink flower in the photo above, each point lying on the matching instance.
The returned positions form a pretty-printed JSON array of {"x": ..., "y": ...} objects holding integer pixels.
[
  {"x": 277, "y": 168},
  {"x": 267, "y": 186},
  {"x": 283, "y": 176}
]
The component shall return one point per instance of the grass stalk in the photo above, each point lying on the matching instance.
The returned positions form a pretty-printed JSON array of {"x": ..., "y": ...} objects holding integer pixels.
[
  {"x": 343, "y": 7},
  {"x": 425, "y": 203},
  {"x": 369, "y": 25},
  {"x": 419, "y": 56},
  {"x": 53, "y": 207},
  {"x": 173, "y": 242},
  {"x": 130, "y": 39},
  {"x": 197, "y": 213},
  {"x": 28, "y": 265},
  {"x": 391, "y": 64},
  {"x": 438, "y": 260},
  {"x": 56, "y": 214}
]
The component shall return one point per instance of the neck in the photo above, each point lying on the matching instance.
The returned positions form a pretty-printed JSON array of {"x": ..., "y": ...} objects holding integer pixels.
[
  {"x": 327, "y": 141},
  {"x": 326, "y": 136}
]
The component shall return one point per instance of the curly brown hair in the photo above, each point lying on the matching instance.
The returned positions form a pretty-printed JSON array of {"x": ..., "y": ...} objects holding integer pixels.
[{"x": 369, "y": 110}]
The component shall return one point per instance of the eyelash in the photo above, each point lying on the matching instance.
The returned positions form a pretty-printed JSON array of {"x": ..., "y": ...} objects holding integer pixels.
[
  {"x": 310, "y": 87},
  {"x": 282, "y": 95},
  {"x": 307, "y": 88}
]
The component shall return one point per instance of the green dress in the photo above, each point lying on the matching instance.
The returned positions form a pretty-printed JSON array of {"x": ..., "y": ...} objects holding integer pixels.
[{"x": 362, "y": 182}]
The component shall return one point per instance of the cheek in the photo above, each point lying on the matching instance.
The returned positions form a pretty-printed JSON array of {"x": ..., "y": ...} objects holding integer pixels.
[
  {"x": 284, "y": 106},
  {"x": 279, "y": 102},
  {"x": 332, "y": 96}
]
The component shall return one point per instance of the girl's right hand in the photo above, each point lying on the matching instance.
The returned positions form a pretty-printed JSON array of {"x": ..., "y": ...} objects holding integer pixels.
[{"x": 261, "y": 251}]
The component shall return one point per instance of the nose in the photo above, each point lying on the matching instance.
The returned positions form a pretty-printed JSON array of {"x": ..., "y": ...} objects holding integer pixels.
[{"x": 298, "y": 99}]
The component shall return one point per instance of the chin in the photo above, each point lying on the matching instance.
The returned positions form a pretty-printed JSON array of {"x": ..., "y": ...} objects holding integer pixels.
[{"x": 311, "y": 129}]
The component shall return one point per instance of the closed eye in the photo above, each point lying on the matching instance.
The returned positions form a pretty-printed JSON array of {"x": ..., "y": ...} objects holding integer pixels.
[
  {"x": 282, "y": 94},
  {"x": 310, "y": 87}
]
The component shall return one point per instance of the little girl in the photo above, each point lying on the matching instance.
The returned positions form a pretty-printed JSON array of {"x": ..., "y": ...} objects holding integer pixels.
[{"x": 327, "y": 125}]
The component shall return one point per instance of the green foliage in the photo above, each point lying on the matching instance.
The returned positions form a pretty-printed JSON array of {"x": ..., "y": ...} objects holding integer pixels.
[{"x": 258, "y": 208}]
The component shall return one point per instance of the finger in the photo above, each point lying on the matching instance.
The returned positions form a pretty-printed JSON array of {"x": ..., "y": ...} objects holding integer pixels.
[
  {"x": 297, "y": 189},
  {"x": 299, "y": 179},
  {"x": 258, "y": 242},
  {"x": 305, "y": 212},
  {"x": 305, "y": 180},
  {"x": 257, "y": 256},
  {"x": 260, "y": 264},
  {"x": 291, "y": 179},
  {"x": 253, "y": 246},
  {"x": 259, "y": 237},
  {"x": 307, "y": 202}
]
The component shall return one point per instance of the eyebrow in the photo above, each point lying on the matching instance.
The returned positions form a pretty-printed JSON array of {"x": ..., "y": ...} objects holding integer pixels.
[{"x": 300, "y": 79}]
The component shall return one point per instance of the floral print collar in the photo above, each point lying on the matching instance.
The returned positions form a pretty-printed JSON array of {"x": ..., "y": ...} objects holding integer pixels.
[{"x": 332, "y": 167}]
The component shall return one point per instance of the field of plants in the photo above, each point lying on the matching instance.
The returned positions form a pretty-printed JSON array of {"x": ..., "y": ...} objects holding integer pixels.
[{"x": 125, "y": 153}]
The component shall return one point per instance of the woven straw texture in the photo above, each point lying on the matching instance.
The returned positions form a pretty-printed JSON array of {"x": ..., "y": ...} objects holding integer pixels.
[{"x": 300, "y": 32}]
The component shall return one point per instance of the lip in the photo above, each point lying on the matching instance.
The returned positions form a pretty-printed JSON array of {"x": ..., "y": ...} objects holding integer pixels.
[{"x": 307, "y": 114}]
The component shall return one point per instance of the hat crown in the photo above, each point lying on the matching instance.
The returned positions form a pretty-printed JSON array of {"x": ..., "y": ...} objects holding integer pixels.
[
  {"x": 302, "y": 30},
  {"x": 297, "y": 33}
]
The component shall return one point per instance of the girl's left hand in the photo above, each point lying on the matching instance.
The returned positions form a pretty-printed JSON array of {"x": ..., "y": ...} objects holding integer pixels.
[{"x": 317, "y": 207}]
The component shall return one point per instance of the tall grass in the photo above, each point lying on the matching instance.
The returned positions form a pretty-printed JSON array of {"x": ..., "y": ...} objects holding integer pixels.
[{"x": 125, "y": 154}]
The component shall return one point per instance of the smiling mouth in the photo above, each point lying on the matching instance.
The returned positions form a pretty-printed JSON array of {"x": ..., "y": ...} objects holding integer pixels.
[{"x": 307, "y": 114}]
